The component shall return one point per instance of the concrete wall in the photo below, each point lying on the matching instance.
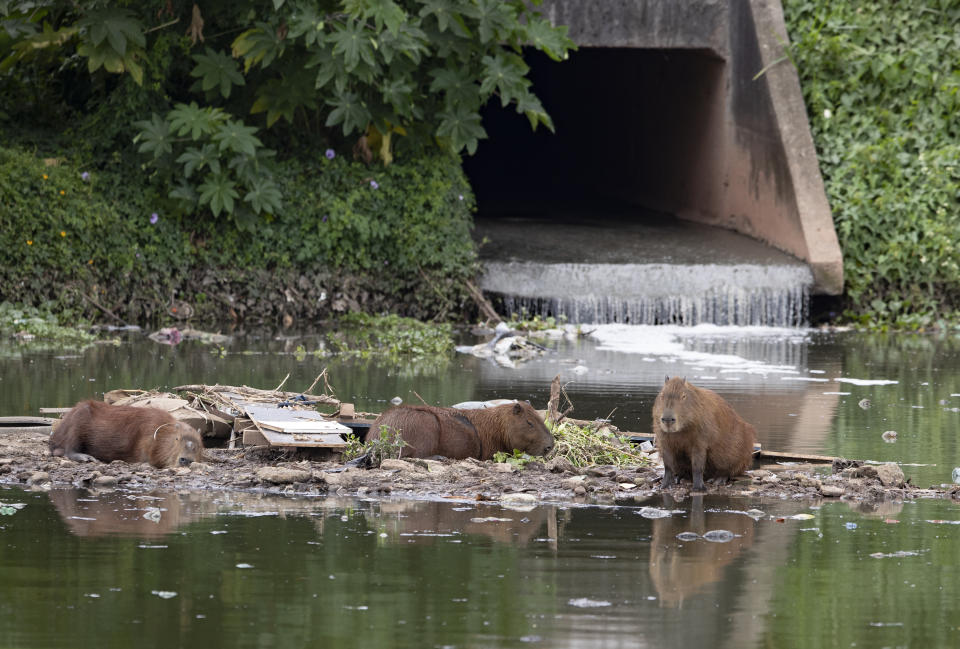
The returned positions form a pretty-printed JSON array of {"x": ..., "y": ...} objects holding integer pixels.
[{"x": 697, "y": 134}]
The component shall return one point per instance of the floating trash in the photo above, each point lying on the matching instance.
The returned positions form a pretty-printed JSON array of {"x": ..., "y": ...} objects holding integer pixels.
[
  {"x": 153, "y": 514},
  {"x": 850, "y": 526},
  {"x": 9, "y": 509},
  {"x": 244, "y": 565},
  {"x": 490, "y": 519},
  {"x": 889, "y": 436},
  {"x": 955, "y": 476},
  {"x": 801, "y": 517},
  {"x": 163, "y": 594},
  {"x": 899, "y": 553},
  {"x": 583, "y": 602},
  {"x": 864, "y": 403},
  {"x": 656, "y": 512},
  {"x": 719, "y": 536},
  {"x": 687, "y": 536},
  {"x": 867, "y": 381}
]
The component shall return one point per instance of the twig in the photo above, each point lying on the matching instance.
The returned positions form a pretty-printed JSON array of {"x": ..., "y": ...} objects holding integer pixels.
[
  {"x": 104, "y": 309},
  {"x": 421, "y": 398},
  {"x": 482, "y": 303},
  {"x": 277, "y": 389}
]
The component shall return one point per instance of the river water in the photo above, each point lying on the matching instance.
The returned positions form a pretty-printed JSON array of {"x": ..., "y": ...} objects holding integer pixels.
[{"x": 223, "y": 569}]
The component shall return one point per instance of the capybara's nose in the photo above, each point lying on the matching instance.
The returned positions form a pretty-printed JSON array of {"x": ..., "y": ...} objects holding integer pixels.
[
  {"x": 185, "y": 461},
  {"x": 667, "y": 421}
]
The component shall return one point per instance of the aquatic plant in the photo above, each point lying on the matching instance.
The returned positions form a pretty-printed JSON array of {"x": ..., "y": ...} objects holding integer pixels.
[
  {"x": 392, "y": 336},
  {"x": 38, "y": 327}
]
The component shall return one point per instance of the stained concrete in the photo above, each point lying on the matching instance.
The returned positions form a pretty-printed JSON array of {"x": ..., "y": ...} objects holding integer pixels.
[{"x": 682, "y": 107}]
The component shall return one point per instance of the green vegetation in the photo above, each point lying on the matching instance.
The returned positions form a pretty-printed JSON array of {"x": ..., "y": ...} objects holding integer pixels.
[
  {"x": 882, "y": 89},
  {"x": 594, "y": 445},
  {"x": 385, "y": 79},
  {"x": 40, "y": 329},
  {"x": 252, "y": 160},
  {"x": 391, "y": 336},
  {"x": 72, "y": 237},
  {"x": 387, "y": 445}
]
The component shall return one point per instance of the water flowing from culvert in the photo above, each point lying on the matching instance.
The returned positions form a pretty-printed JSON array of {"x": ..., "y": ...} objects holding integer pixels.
[
  {"x": 625, "y": 266},
  {"x": 742, "y": 294}
]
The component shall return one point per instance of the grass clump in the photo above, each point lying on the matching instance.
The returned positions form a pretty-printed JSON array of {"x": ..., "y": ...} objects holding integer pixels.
[{"x": 595, "y": 444}]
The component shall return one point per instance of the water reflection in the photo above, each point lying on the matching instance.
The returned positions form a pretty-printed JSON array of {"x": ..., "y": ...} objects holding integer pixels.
[
  {"x": 682, "y": 566},
  {"x": 425, "y": 521}
]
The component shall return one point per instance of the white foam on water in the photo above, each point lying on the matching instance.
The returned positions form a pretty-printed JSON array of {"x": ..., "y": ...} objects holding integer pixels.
[
  {"x": 866, "y": 381},
  {"x": 673, "y": 343}
]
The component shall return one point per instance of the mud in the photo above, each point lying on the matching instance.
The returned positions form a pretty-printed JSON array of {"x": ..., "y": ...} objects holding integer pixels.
[{"x": 25, "y": 461}]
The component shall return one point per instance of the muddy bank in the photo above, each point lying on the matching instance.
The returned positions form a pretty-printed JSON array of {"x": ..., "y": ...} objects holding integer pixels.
[{"x": 25, "y": 461}]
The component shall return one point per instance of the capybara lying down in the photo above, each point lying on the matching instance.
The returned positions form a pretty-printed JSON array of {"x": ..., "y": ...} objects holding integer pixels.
[
  {"x": 93, "y": 430},
  {"x": 699, "y": 434},
  {"x": 459, "y": 434}
]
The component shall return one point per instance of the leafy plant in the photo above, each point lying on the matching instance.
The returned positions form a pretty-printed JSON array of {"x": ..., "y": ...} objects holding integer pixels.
[
  {"x": 376, "y": 77},
  {"x": 516, "y": 458},
  {"x": 389, "y": 444},
  {"x": 219, "y": 158}
]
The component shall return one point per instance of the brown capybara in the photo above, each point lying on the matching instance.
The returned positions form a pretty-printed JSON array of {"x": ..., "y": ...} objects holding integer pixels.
[
  {"x": 459, "y": 434},
  {"x": 93, "y": 430},
  {"x": 699, "y": 434}
]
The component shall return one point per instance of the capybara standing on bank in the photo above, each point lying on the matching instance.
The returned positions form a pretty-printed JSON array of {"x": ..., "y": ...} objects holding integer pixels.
[
  {"x": 699, "y": 434},
  {"x": 459, "y": 434},
  {"x": 93, "y": 430}
]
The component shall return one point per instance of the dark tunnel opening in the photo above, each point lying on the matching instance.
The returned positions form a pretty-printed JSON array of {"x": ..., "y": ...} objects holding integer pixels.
[{"x": 633, "y": 127}]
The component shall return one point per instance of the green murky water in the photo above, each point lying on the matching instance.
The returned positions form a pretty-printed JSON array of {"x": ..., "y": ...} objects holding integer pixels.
[
  {"x": 235, "y": 570},
  {"x": 217, "y": 569}
]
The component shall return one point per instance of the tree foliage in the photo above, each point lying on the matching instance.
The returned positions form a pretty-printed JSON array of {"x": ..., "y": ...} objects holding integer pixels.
[{"x": 378, "y": 76}]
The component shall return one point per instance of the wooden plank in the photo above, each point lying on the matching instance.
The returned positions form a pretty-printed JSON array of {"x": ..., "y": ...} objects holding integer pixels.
[
  {"x": 301, "y": 427},
  {"x": 306, "y": 440},
  {"x": 54, "y": 411},
  {"x": 796, "y": 457},
  {"x": 253, "y": 437}
]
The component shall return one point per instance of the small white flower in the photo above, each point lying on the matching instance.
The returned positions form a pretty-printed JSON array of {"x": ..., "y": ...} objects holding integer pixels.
[{"x": 827, "y": 114}]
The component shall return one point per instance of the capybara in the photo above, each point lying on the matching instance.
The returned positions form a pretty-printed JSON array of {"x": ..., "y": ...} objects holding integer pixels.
[
  {"x": 699, "y": 434},
  {"x": 459, "y": 434},
  {"x": 93, "y": 430}
]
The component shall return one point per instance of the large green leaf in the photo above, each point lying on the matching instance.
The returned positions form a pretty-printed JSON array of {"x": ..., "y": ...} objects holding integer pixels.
[
  {"x": 217, "y": 69},
  {"x": 233, "y": 135},
  {"x": 259, "y": 46},
  {"x": 462, "y": 128},
  {"x": 190, "y": 118},
  {"x": 154, "y": 136},
  {"x": 114, "y": 26},
  {"x": 219, "y": 192},
  {"x": 349, "y": 111},
  {"x": 352, "y": 43}
]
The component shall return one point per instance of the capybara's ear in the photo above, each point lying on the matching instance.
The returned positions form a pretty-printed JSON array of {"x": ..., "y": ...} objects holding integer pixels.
[
  {"x": 666, "y": 379},
  {"x": 517, "y": 408}
]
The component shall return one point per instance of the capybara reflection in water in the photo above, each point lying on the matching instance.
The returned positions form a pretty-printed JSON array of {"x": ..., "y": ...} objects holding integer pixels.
[
  {"x": 699, "y": 434},
  {"x": 459, "y": 434},
  {"x": 93, "y": 430}
]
